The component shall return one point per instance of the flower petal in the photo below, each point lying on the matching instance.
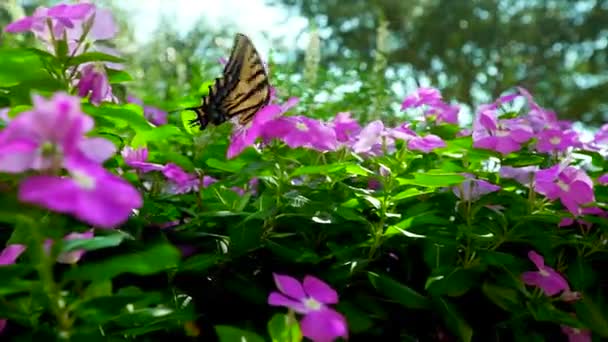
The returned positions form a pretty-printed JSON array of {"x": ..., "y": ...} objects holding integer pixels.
[
  {"x": 324, "y": 325},
  {"x": 289, "y": 286},
  {"x": 10, "y": 254},
  {"x": 277, "y": 299},
  {"x": 319, "y": 290}
]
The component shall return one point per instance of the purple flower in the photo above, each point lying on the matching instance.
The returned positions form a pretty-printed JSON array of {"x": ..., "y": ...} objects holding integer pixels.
[
  {"x": 546, "y": 278},
  {"x": 41, "y": 138},
  {"x": 247, "y": 135},
  {"x": 155, "y": 115},
  {"x": 310, "y": 298},
  {"x": 436, "y": 108},
  {"x": 137, "y": 159},
  {"x": 572, "y": 186},
  {"x": 523, "y": 175},
  {"x": 302, "y": 131},
  {"x": 422, "y": 96},
  {"x": 556, "y": 140},
  {"x": 181, "y": 182},
  {"x": 94, "y": 81},
  {"x": 61, "y": 16},
  {"x": 472, "y": 189},
  {"x": 603, "y": 179},
  {"x": 371, "y": 139},
  {"x": 601, "y": 136},
  {"x": 10, "y": 253},
  {"x": 90, "y": 193},
  {"x": 576, "y": 335},
  {"x": 73, "y": 256},
  {"x": 504, "y": 136},
  {"x": 426, "y": 144},
  {"x": 346, "y": 128}
]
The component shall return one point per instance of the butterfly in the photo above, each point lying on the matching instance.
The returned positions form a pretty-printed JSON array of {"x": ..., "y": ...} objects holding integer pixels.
[{"x": 241, "y": 91}]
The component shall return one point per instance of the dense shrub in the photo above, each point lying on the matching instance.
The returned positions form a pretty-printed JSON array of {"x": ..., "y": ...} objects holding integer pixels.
[{"x": 121, "y": 222}]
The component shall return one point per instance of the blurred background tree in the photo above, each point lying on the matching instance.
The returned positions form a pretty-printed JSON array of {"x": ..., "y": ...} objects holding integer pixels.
[{"x": 380, "y": 49}]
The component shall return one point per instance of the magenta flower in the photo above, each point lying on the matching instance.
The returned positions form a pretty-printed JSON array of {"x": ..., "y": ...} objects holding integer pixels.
[
  {"x": 246, "y": 136},
  {"x": 556, "y": 140},
  {"x": 10, "y": 253},
  {"x": 572, "y": 186},
  {"x": 181, "y": 182},
  {"x": 576, "y": 335},
  {"x": 426, "y": 144},
  {"x": 302, "y": 131},
  {"x": 94, "y": 81},
  {"x": 503, "y": 136},
  {"x": 53, "y": 129},
  {"x": 472, "y": 189},
  {"x": 61, "y": 16},
  {"x": 73, "y": 256},
  {"x": 311, "y": 298},
  {"x": 89, "y": 192},
  {"x": 546, "y": 278},
  {"x": 372, "y": 138},
  {"x": 422, "y": 96},
  {"x": 603, "y": 179},
  {"x": 155, "y": 115},
  {"x": 523, "y": 175},
  {"x": 137, "y": 159},
  {"x": 346, "y": 128}
]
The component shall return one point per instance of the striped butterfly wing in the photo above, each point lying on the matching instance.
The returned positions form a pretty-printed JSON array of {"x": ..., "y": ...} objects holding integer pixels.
[{"x": 245, "y": 87}]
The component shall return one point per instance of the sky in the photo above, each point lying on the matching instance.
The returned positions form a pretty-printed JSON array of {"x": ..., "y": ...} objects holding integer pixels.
[{"x": 251, "y": 17}]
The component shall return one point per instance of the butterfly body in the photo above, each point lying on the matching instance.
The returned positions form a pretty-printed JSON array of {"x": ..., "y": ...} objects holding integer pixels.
[{"x": 242, "y": 90}]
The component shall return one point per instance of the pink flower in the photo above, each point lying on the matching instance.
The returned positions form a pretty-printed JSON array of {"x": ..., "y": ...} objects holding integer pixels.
[
  {"x": 53, "y": 129},
  {"x": 155, "y": 115},
  {"x": 603, "y": 179},
  {"x": 181, "y": 182},
  {"x": 577, "y": 335},
  {"x": 572, "y": 186},
  {"x": 472, "y": 189},
  {"x": 346, "y": 128},
  {"x": 372, "y": 138},
  {"x": 137, "y": 159},
  {"x": 94, "y": 82},
  {"x": 546, "y": 278},
  {"x": 436, "y": 108},
  {"x": 302, "y": 131},
  {"x": 311, "y": 298},
  {"x": 10, "y": 253},
  {"x": 61, "y": 16},
  {"x": 504, "y": 136},
  {"x": 90, "y": 193},
  {"x": 422, "y": 96},
  {"x": 426, "y": 144},
  {"x": 73, "y": 256},
  {"x": 246, "y": 136},
  {"x": 523, "y": 175},
  {"x": 556, "y": 140}
]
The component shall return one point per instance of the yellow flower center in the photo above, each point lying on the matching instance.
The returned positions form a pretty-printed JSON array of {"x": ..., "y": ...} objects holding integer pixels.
[
  {"x": 302, "y": 127},
  {"x": 83, "y": 180},
  {"x": 555, "y": 140}
]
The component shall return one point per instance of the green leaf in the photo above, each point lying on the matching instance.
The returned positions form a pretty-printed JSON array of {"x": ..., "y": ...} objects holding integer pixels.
[
  {"x": 590, "y": 313},
  {"x": 126, "y": 115},
  {"x": 452, "y": 282},
  {"x": 409, "y": 193},
  {"x": 453, "y": 319},
  {"x": 283, "y": 329},
  {"x": 20, "y": 65},
  {"x": 200, "y": 263},
  {"x": 232, "y": 334},
  {"x": 504, "y": 297},
  {"x": 155, "y": 259},
  {"x": 232, "y": 166},
  {"x": 118, "y": 76},
  {"x": 159, "y": 134},
  {"x": 97, "y": 242},
  {"x": 429, "y": 179},
  {"x": 318, "y": 169},
  {"x": 94, "y": 56},
  {"x": 398, "y": 292}
]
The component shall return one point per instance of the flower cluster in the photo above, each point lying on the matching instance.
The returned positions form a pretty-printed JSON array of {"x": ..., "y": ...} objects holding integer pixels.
[{"x": 51, "y": 139}]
